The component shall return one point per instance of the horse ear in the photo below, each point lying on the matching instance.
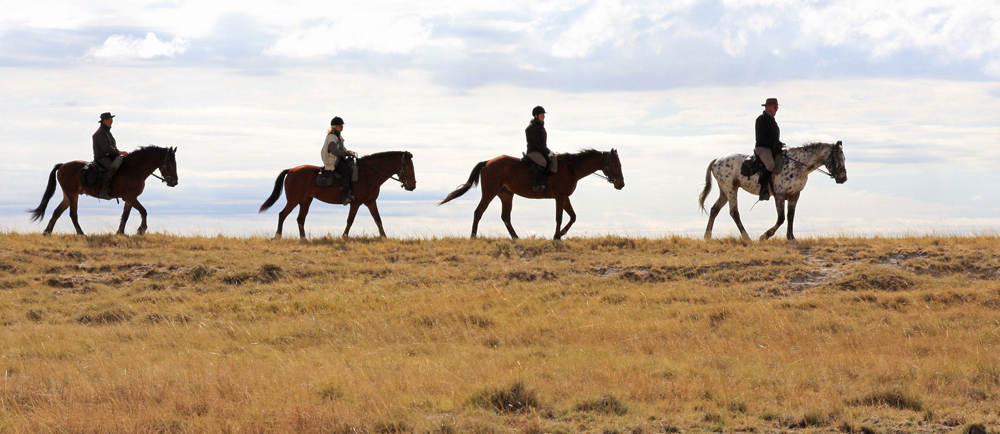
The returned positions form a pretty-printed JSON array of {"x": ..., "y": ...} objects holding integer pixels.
[{"x": 839, "y": 143}]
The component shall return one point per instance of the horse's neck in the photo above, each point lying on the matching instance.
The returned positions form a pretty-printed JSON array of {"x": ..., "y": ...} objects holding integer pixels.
[
  {"x": 148, "y": 164},
  {"x": 813, "y": 159},
  {"x": 383, "y": 168},
  {"x": 589, "y": 165}
]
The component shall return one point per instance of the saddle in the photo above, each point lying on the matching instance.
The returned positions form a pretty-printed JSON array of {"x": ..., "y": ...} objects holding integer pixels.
[
  {"x": 553, "y": 166},
  {"x": 326, "y": 178},
  {"x": 91, "y": 174},
  {"x": 752, "y": 164}
]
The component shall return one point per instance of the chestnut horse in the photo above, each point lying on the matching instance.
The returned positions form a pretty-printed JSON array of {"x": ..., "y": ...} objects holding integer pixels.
[
  {"x": 506, "y": 176},
  {"x": 800, "y": 161},
  {"x": 128, "y": 184},
  {"x": 373, "y": 171}
]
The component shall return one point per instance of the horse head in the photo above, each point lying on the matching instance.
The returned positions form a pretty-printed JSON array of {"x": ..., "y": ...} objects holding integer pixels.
[
  {"x": 406, "y": 172},
  {"x": 169, "y": 168},
  {"x": 836, "y": 163},
  {"x": 613, "y": 170}
]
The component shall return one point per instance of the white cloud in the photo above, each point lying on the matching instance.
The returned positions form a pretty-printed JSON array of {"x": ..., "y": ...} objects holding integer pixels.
[
  {"x": 363, "y": 31},
  {"x": 127, "y": 47},
  {"x": 993, "y": 68}
]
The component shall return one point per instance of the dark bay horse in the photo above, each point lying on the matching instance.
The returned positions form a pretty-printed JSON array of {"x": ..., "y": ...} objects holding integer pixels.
[
  {"x": 800, "y": 161},
  {"x": 373, "y": 171},
  {"x": 128, "y": 184},
  {"x": 506, "y": 176}
]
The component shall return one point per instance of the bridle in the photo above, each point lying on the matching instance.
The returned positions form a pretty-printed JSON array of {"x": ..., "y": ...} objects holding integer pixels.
[
  {"x": 163, "y": 169},
  {"x": 608, "y": 174},
  {"x": 403, "y": 174}
]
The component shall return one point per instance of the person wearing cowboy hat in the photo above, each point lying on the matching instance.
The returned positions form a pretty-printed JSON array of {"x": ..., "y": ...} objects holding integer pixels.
[
  {"x": 106, "y": 153},
  {"x": 768, "y": 144},
  {"x": 333, "y": 154},
  {"x": 538, "y": 150}
]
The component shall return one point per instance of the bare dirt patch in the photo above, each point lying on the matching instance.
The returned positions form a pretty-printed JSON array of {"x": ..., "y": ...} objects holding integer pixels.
[{"x": 824, "y": 272}]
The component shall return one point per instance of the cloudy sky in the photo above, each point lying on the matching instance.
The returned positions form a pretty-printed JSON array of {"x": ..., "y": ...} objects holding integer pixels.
[{"x": 246, "y": 89}]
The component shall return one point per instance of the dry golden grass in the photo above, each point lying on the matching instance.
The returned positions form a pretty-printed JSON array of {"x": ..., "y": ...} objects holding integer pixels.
[{"x": 172, "y": 334}]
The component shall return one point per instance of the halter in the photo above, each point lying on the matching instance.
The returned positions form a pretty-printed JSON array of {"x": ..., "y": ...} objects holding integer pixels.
[
  {"x": 607, "y": 176},
  {"x": 403, "y": 179}
]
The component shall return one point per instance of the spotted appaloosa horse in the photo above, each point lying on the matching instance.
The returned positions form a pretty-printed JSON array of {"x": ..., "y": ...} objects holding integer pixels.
[{"x": 787, "y": 184}]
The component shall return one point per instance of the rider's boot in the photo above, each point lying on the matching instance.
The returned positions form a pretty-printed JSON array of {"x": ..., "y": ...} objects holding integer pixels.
[
  {"x": 539, "y": 171},
  {"x": 765, "y": 184},
  {"x": 345, "y": 190},
  {"x": 106, "y": 184}
]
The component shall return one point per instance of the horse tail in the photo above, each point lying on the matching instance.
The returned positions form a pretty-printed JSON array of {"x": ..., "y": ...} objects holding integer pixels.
[
  {"x": 708, "y": 186},
  {"x": 278, "y": 183},
  {"x": 38, "y": 213},
  {"x": 462, "y": 189}
]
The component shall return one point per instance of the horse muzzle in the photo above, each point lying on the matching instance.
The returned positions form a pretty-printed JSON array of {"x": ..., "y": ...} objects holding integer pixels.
[
  {"x": 841, "y": 179},
  {"x": 410, "y": 186},
  {"x": 619, "y": 184}
]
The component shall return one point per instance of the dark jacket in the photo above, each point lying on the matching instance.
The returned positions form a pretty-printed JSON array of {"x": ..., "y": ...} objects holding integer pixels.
[
  {"x": 768, "y": 133},
  {"x": 104, "y": 143},
  {"x": 537, "y": 137}
]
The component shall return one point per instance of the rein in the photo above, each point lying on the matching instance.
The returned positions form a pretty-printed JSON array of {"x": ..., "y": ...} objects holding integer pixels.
[
  {"x": 806, "y": 165},
  {"x": 402, "y": 180}
]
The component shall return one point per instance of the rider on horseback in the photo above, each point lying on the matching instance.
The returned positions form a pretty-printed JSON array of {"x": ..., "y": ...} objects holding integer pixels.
[
  {"x": 106, "y": 153},
  {"x": 333, "y": 154},
  {"x": 538, "y": 152},
  {"x": 768, "y": 144}
]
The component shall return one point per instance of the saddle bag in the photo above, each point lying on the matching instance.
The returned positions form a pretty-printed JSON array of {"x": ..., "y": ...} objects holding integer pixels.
[
  {"x": 325, "y": 178},
  {"x": 91, "y": 174},
  {"x": 751, "y": 166}
]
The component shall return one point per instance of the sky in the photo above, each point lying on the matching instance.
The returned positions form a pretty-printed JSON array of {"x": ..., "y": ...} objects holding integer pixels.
[{"x": 246, "y": 89}]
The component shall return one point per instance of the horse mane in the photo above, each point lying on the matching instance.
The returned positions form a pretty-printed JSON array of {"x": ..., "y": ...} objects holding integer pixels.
[
  {"x": 811, "y": 146},
  {"x": 143, "y": 150},
  {"x": 576, "y": 158},
  {"x": 385, "y": 154}
]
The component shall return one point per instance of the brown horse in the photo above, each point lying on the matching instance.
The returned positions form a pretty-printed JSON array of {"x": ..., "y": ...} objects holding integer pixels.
[
  {"x": 506, "y": 176},
  {"x": 128, "y": 184},
  {"x": 373, "y": 171}
]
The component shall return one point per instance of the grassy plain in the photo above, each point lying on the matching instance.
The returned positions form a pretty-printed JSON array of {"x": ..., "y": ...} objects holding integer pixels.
[{"x": 175, "y": 334}]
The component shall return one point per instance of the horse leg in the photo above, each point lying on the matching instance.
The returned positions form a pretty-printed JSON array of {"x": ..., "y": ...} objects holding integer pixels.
[
  {"x": 125, "y": 213},
  {"x": 301, "y": 219},
  {"x": 734, "y": 211},
  {"x": 73, "y": 205},
  {"x": 559, "y": 212},
  {"x": 719, "y": 203},
  {"x": 350, "y": 217},
  {"x": 507, "y": 202},
  {"x": 142, "y": 213},
  {"x": 572, "y": 217},
  {"x": 779, "y": 204},
  {"x": 373, "y": 209},
  {"x": 793, "y": 199},
  {"x": 289, "y": 206},
  {"x": 55, "y": 216},
  {"x": 478, "y": 214}
]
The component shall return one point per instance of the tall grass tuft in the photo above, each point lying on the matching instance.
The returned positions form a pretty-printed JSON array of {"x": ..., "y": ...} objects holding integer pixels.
[{"x": 515, "y": 398}]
